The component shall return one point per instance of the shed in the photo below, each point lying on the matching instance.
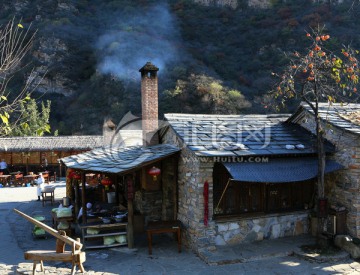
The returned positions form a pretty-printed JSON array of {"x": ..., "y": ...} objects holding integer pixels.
[
  {"x": 32, "y": 154},
  {"x": 128, "y": 167}
]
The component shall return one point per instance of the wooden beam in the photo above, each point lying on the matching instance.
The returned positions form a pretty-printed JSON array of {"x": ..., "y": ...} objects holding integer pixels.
[
  {"x": 83, "y": 197},
  {"x": 130, "y": 205},
  {"x": 50, "y": 230}
]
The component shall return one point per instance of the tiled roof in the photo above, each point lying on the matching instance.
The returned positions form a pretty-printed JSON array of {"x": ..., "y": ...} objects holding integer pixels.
[
  {"x": 117, "y": 160},
  {"x": 334, "y": 114},
  {"x": 61, "y": 143},
  {"x": 242, "y": 135}
]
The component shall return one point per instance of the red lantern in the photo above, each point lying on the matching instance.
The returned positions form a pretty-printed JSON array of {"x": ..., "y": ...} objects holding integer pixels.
[
  {"x": 154, "y": 172},
  {"x": 76, "y": 176},
  {"x": 106, "y": 182},
  {"x": 70, "y": 173}
]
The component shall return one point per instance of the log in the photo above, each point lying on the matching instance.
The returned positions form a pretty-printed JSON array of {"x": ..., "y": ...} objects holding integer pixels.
[{"x": 51, "y": 231}]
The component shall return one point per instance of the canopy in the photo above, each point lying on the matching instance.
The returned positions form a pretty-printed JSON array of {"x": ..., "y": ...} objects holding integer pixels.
[
  {"x": 279, "y": 169},
  {"x": 116, "y": 160}
]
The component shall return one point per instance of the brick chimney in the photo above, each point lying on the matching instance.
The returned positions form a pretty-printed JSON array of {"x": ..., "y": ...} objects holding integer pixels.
[{"x": 149, "y": 103}]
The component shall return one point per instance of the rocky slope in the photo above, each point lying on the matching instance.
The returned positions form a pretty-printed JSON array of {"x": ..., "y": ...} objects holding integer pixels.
[{"x": 87, "y": 53}]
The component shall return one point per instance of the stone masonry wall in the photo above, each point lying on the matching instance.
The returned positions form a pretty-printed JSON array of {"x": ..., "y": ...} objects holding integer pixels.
[
  {"x": 342, "y": 187},
  {"x": 265, "y": 227},
  {"x": 191, "y": 178}
]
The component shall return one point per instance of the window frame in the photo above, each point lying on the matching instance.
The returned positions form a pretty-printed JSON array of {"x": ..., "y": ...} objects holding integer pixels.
[{"x": 289, "y": 197}]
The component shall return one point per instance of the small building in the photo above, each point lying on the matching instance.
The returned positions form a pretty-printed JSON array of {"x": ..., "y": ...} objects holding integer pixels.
[
  {"x": 260, "y": 171},
  {"x": 34, "y": 154}
]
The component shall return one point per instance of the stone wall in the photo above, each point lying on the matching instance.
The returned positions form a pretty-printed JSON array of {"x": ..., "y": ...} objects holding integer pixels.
[
  {"x": 342, "y": 188},
  {"x": 149, "y": 204},
  {"x": 191, "y": 178},
  {"x": 159, "y": 203},
  {"x": 265, "y": 227}
]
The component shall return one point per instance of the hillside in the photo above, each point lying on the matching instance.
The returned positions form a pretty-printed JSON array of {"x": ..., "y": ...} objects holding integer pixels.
[{"x": 212, "y": 58}]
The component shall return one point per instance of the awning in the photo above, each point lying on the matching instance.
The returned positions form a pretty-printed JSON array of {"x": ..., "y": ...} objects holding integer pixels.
[
  {"x": 279, "y": 170},
  {"x": 118, "y": 160}
]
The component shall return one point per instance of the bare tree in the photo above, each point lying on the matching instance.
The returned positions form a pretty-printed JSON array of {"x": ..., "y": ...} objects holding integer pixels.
[
  {"x": 318, "y": 75},
  {"x": 15, "y": 43}
]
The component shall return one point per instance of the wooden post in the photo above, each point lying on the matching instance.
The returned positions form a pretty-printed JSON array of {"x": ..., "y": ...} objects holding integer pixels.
[
  {"x": 130, "y": 229},
  {"x": 27, "y": 164},
  {"x": 143, "y": 178},
  {"x": 83, "y": 198},
  {"x": 116, "y": 183},
  {"x": 77, "y": 204},
  {"x": 60, "y": 245},
  {"x": 176, "y": 189}
]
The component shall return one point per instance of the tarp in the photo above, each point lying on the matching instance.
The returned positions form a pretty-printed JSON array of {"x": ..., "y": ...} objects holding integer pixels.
[{"x": 278, "y": 170}]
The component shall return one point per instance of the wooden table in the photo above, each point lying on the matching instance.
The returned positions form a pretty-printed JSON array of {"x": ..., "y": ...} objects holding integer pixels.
[
  {"x": 47, "y": 194},
  {"x": 30, "y": 178},
  {"x": 5, "y": 179},
  {"x": 159, "y": 227}
]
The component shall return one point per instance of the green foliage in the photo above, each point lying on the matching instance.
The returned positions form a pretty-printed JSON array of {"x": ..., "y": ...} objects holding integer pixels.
[{"x": 35, "y": 122}]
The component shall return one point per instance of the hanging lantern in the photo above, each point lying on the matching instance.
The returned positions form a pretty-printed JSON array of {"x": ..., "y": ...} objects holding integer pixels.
[
  {"x": 76, "y": 176},
  {"x": 106, "y": 182},
  {"x": 70, "y": 173},
  {"x": 154, "y": 172}
]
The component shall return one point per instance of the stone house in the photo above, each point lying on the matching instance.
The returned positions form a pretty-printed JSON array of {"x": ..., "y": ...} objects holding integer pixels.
[{"x": 260, "y": 170}]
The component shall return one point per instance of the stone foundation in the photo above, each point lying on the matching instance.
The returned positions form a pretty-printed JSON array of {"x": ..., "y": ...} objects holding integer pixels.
[{"x": 257, "y": 229}]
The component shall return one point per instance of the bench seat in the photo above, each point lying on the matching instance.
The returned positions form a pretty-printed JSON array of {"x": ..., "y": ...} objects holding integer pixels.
[{"x": 38, "y": 256}]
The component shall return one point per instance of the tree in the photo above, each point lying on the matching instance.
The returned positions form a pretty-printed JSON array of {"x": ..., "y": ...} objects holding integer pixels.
[
  {"x": 205, "y": 94},
  {"x": 15, "y": 42},
  {"x": 33, "y": 122},
  {"x": 318, "y": 75}
]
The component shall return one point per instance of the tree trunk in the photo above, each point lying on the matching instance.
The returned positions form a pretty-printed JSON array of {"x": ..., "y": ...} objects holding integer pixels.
[
  {"x": 321, "y": 159},
  {"x": 322, "y": 202}
]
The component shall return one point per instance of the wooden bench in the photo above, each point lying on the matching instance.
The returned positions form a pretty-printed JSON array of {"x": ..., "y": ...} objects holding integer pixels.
[{"x": 75, "y": 256}]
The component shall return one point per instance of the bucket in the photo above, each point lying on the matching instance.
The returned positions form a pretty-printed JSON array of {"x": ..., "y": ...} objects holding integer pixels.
[
  {"x": 66, "y": 201},
  {"x": 111, "y": 197}
]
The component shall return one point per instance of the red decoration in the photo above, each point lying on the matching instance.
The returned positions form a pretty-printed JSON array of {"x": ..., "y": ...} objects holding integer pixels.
[
  {"x": 76, "y": 176},
  {"x": 70, "y": 173},
  {"x": 106, "y": 182},
  {"x": 154, "y": 172},
  {"x": 206, "y": 203}
]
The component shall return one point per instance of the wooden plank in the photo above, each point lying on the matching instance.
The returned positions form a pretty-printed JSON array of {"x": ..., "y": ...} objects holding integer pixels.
[
  {"x": 50, "y": 230},
  {"x": 48, "y": 255}
]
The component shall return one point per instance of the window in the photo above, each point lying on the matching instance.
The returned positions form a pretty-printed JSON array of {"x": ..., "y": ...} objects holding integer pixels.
[
  {"x": 241, "y": 198},
  {"x": 236, "y": 198}
]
